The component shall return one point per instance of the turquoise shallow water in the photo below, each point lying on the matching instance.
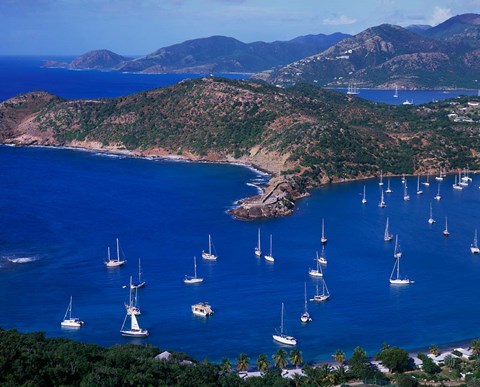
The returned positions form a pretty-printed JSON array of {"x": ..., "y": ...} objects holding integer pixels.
[{"x": 60, "y": 209}]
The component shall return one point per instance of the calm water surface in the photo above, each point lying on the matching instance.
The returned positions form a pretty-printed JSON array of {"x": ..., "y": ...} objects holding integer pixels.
[{"x": 60, "y": 209}]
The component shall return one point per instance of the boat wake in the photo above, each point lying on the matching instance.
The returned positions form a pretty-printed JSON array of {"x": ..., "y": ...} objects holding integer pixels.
[{"x": 20, "y": 260}]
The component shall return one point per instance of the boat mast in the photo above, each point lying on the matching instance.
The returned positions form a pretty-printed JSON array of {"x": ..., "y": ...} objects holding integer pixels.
[
  {"x": 259, "y": 239},
  {"x": 118, "y": 251},
  {"x": 306, "y": 308},
  {"x": 271, "y": 246},
  {"x": 281, "y": 323},
  {"x": 195, "y": 266}
]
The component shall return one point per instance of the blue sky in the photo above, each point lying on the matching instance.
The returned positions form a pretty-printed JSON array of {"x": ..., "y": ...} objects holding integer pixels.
[{"x": 136, "y": 27}]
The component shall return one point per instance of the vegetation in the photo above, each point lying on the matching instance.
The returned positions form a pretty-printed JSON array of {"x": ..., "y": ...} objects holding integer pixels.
[{"x": 34, "y": 360}]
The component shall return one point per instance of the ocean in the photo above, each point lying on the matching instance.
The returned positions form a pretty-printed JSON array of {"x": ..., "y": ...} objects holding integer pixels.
[{"x": 60, "y": 210}]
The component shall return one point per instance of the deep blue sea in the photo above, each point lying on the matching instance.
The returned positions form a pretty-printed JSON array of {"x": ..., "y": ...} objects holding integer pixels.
[{"x": 60, "y": 209}]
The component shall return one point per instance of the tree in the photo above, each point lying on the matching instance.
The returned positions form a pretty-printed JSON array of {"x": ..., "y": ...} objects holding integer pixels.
[
  {"x": 428, "y": 365},
  {"x": 280, "y": 358},
  {"x": 395, "y": 359},
  {"x": 450, "y": 361},
  {"x": 262, "y": 362},
  {"x": 339, "y": 356},
  {"x": 475, "y": 346},
  {"x": 358, "y": 363},
  {"x": 405, "y": 380},
  {"x": 242, "y": 362},
  {"x": 296, "y": 357},
  {"x": 225, "y": 366},
  {"x": 434, "y": 350}
]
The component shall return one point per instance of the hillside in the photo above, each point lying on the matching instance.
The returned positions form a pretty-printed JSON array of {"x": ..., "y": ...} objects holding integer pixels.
[
  {"x": 206, "y": 55},
  {"x": 445, "y": 56},
  {"x": 304, "y": 136}
]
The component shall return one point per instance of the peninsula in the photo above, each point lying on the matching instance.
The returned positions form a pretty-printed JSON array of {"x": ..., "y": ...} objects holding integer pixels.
[{"x": 303, "y": 136}]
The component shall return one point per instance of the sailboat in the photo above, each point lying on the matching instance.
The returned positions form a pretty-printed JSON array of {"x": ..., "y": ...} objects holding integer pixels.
[
  {"x": 456, "y": 185},
  {"x": 202, "y": 309},
  {"x": 305, "y": 317},
  {"x": 380, "y": 183},
  {"x": 283, "y": 338},
  {"x": 135, "y": 330},
  {"x": 320, "y": 297},
  {"x": 395, "y": 278},
  {"x": 437, "y": 196},
  {"x": 427, "y": 183},
  {"x": 352, "y": 89},
  {"x": 209, "y": 256},
  {"x": 439, "y": 177},
  {"x": 445, "y": 232},
  {"x": 406, "y": 196},
  {"x": 323, "y": 239},
  {"x": 382, "y": 204},
  {"x": 316, "y": 272},
  {"x": 387, "y": 237},
  {"x": 193, "y": 280},
  {"x": 141, "y": 282},
  {"x": 403, "y": 178},
  {"x": 269, "y": 257},
  {"x": 258, "y": 250},
  {"x": 395, "y": 95},
  {"x": 132, "y": 307},
  {"x": 322, "y": 259},
  {"x": 474, "y": 246},
  {"x": 397, "y": 252},
  {"x": 115, "y": 262},
  {"x": 69, "y": 321},
  {"x": 388, "y": 190},
  {"x": 430, "y": 219},
  {"x": 364, "y": 198},
  {"x": 419, "y": 191}
]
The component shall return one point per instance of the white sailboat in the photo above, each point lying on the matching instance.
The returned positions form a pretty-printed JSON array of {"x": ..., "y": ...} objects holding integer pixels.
[
  {"x": 132, "y": 307},
  {"x": 140, "y": 282},
  {"x": 387, "y": 237},
  {"x": 388, "y": 190},
  {"x": 430, "y": 219},
  {"x": 352, "y": 89},
  {"x": 419, "y": 191},
  {"x": 456, "y": 185},
  {"x": 427, "y": 182},
  {"x": 395, "y": 95},
  {"x": 380, "y": 183},
  {"x": 382, "y": 203},
  {"x": 193, "y": 279},
  {"x": 406, "y": 196},
  {"x": 364, "y": 198},
  {"x": 209, "y": 256},
  {"x": 323, "y": 239},
  {"x": 322, "y": 259},
  {"x": 324, "y": 296},
  {"x": 446, "y": 233},
  {"x": 316, "y": 272},
  {"x": 270, "y": 257},
  {"x": 474, "y": 246},
  {"x": 395, "y": 278},
  {"x": 110, "y": 263},
  {"x": 397, "y": 252},
  {"x": 69, "y": 321},
  {"x": 305, "y": 317},
  {"x": 437, "y": 196},
  {"x": 135, "y": 330},
  {"x": 283, "y": 338},
  {"x": 440, "y": 176},
  {"x": 258, "y": 249},
  {"x": 403, "y": 178}
]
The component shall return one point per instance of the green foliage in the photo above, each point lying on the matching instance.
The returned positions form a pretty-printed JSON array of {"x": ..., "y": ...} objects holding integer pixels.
[
  {"x": 429, "y": 365},
  {"x": 242, "y": 362},
  {"x": 280, "y": 358},
  {"x": 395, "y": 359}
]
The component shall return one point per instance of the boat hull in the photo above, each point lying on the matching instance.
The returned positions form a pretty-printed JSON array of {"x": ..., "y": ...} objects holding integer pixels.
[
  {"x": 305, "y": 318},
  {"x": 193, "y": 280},
  {"x": 401, "y": 281},
  {"x": 114, "y": 263},
  {"x": 315, "y": 273},
  {"x": 474, "y": 250},
  {"x": 209, "y": 257},
  {"x": 135, "y": 333},
  {"x": 72, "y": 323},
  {"x": 269, "y": 258},
  {"x": 283, "y": 339},
  {"x": 320, "y": 298}
]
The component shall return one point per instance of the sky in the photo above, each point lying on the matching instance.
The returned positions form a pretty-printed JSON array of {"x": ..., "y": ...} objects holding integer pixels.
[{"x": 139, "y": 27}]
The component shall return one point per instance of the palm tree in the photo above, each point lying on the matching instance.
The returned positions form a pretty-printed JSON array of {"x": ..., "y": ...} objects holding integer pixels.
[
  {"x": 226, "y": 366},
  {"x": 280, "y": 358},
  {"x": 434, "y": 350},
  {"x": 262, "y": 362},
  {"x": 242, "y": 362},
  {"x": 339, "y": 356},
  {"x": 475, "y": 346},
  {"x": 296, "y": 357}
]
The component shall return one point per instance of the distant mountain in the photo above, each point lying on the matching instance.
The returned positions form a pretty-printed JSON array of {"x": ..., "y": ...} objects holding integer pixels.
[
  {"x": 386, "y": 55},
  {"x": 213, "y": 54},
  {"x": 97, "y": 60},
  {"x": 418, "y": 28}
]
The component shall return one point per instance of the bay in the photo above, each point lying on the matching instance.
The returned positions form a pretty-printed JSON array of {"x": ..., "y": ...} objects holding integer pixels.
[{"x": 60, "y": 209}]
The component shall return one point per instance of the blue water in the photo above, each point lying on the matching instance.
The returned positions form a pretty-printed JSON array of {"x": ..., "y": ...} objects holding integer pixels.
[
  {"x": 23, "y": 74},
  {"x": 60, "y": 209}
]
